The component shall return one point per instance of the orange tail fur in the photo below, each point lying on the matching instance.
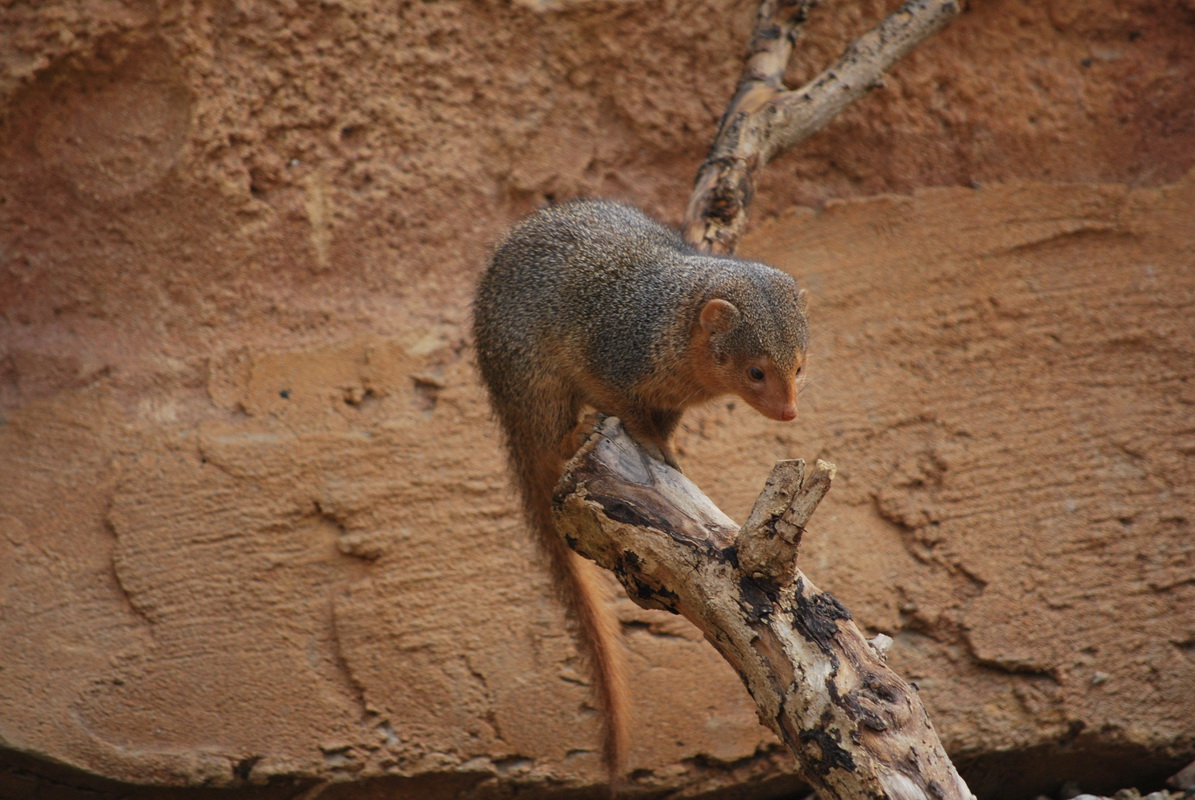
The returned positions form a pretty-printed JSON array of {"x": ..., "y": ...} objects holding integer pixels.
[
  {"x": 599, "y": 642},
  {"x": 598, "y": 637}
]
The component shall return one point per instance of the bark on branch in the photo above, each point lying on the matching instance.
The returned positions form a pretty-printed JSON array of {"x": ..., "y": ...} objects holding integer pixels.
[
  {"x": 856, "y": 728},
  {"x": 764, "y": 118}
]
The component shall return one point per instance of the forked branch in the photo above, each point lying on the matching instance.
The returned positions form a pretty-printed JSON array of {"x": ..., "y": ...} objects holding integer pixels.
[
  {"x": 764, "y": 118},
  {"x": 856, "y": 728}
]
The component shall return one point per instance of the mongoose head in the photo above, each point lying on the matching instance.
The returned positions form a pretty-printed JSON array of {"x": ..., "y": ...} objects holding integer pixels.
[{"x": 754, "y": 342}]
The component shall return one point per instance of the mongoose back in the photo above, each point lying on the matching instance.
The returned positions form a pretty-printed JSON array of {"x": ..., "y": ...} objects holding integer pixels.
[{"x": 593, "y": 304}]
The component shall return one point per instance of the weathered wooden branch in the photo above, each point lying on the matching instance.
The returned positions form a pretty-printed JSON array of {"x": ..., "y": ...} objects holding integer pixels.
[
  {"x": 764, "y": 118},
  {"x": 856, "y": 728}
]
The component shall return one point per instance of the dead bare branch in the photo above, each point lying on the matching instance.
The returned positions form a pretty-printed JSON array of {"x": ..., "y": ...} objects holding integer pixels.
[{"x": 856, "y": 728}]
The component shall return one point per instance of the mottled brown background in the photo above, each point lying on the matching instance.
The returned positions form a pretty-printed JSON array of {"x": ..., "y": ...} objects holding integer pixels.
[{"x": 254, "y": 526}]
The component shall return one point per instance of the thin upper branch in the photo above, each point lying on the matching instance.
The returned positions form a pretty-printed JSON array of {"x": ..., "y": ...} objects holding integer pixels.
[{"x": 764, "y": 119}]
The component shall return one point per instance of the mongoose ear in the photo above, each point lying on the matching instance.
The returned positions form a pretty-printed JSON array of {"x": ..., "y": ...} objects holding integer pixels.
[
  {"x": 718, "y": 316},
  {"x": 803, "y": 301}
]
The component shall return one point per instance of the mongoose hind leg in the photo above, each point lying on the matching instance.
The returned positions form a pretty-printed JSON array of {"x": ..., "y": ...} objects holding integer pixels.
[
  {"x": 578, "y": 435},
  {"x": 652, "y": 429}
]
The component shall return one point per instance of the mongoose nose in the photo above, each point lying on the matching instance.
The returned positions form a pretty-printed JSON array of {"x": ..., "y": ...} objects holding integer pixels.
[{"x": 788, "y": 413}]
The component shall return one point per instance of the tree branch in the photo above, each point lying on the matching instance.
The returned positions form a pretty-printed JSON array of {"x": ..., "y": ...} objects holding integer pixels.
[
  {"x": 764, "y": 119},
  {"x": 856, "y": 728}
]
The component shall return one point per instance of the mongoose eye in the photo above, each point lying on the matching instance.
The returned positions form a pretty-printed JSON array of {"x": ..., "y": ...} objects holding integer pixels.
[{"x": 755, "y": 373}]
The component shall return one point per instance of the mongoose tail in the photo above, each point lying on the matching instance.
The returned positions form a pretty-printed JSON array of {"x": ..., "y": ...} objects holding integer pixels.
[{"x": 575, "y": 581}]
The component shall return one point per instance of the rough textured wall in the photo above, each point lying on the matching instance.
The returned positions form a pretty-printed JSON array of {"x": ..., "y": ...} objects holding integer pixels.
[{"x": 254, "y": 523}]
